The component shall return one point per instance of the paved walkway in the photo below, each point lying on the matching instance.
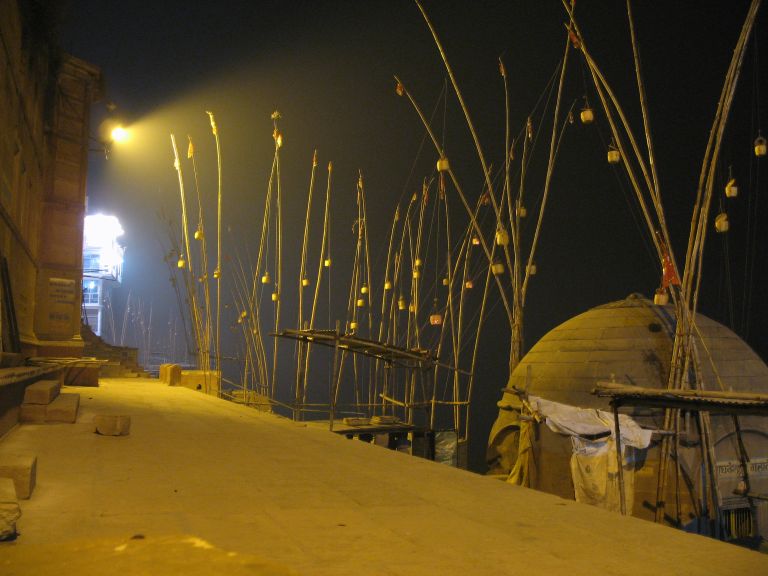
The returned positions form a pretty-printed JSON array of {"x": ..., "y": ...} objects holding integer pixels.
[{"x": 204, "y": 486}]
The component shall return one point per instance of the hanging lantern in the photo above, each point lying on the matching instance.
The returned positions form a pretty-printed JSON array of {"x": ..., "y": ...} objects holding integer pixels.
[
  {"x": 278, "y": 138},
  {"x": 327, "y": 263},
  {"x": 661, "y": 297},
  {"x": 532, "y": 269},
  {"x": 360, "y": 302},
  {"x": 446, "y": 282},
  {"x": 521, "y": 211},
  {"x": 243, "y": 314},
  {"x": 266, "y": 279},
  {"x": 353, "y": 325},
  {"x": 497, "y": 268},
  {"x": 198, "y": 234},
  {"x": 475, "y": 241},
  {"x": 502, "y": 236},
  {"x": 417, "y": 273},
  {"x": 217, "y": 273},
  {"x": 401, "y": 305},
  {"x": 614, "y": 156},
  {"x": 443, "y": 165},
  {"x": 731, "y": 189},
  {"x": 305, "y": 282},
  {"x": 435, "y": 318},
  {"x": 587, "y": 115},
  {"x": 721, "y": 222},
  {"x": 364, "y": 289},
  {"x": 469, "y": 284},
  {"x": 417, "y": 262},
  {"x": 761, "y": 148},
  {"x": 181, "y": 263},
  {"x": 411, "y": 308},
  {"x": 387, "y": 285},
  {"x": 275, "y": 297}
]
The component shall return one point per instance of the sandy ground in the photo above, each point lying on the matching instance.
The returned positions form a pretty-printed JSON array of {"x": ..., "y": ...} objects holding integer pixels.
[{"x": 204, "y": 486}]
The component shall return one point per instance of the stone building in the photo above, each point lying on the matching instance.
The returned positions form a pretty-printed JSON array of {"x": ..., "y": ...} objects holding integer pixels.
[{"x": 45, "y": 99}]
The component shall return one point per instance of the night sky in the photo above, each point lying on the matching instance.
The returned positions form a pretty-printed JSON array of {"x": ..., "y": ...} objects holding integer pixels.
[{"x": 328, "y": 68}]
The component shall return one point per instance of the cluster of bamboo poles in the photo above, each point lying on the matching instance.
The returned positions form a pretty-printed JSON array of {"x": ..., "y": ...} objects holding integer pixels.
[
  {"x": 431, "y": 259},
  {"x": 205, "y": 321},
  {"x": 640, "y": 167}
]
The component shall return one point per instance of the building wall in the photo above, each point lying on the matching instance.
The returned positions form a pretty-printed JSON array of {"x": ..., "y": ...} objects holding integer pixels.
[{"x": 45, "y": 99}]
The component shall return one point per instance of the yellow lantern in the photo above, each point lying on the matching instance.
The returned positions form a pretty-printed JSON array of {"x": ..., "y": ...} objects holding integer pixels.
[
  {"x": 353, "y": 325},
  {"x": 761, "y": 148},
  {"x": 446, "y": 281},
  {"x": 469, "y": 284},
  {"x": 721, "y": 222},
  {"x": 275, "y": 297},
  {"x": 360, "y": 302},
  {"x": 387, "y": 285},
  {"x": 475, "y": 241},
  {"x": 327, "y": 263},
  {"x": 181, "y": 263},
  {"x": 587, "y": 115},
  {"x": 661, "y": 298},
  {"x": 443, "y": 165},
  {"x": 198, "y": 234},
  {"x": 364, "y": 289},
  {"x": 522, "y": 212},
  {"x": 266, "y": 279},
  {"x": 497, "y": 268},
  {"x": 417, "y": 274},
  {"x": 532, "y": 269},
  {"x": 217, "y": 273},
  {"x": 401, "y": 305},
  {"x": 417, "y": 262},
  {"x": 614, "y": 156},
  {"x": 731, "y": 189},
  {"x": 502, "y": 236},
  {"x": 305, "y": 282}
]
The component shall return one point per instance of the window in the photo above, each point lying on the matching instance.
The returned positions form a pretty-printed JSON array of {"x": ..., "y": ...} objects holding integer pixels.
[{"x": 91, "y": 290}]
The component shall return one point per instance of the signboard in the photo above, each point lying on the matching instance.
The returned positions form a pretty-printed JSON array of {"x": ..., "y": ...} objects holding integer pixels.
[{"x": 61, "y": 298}]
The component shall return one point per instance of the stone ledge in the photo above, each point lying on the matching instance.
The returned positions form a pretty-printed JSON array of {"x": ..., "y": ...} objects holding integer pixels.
[
  {"x": 21, "y": 470},
  {"x": 63, "y": 409},
  {"x": 41, "y": 392}
]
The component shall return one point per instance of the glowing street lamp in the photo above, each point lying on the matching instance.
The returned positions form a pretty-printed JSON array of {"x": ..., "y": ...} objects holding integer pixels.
[{"x": 119, "y": 134}]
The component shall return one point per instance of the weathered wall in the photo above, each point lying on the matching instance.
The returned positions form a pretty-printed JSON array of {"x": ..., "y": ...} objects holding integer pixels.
[{"x": 45, "y": 99}]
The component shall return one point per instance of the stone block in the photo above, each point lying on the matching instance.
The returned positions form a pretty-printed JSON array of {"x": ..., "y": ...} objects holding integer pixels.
[
  {"x": 174, "y": 375},
  {"x": 22, "y": 470},
  {"x": 9, "y": 509},
  {"x": 63, "y": 409},
  {"x": 41, "y": 392},
  {"x": 32, "y": 413},
  {"x": 112, "y": 424}
]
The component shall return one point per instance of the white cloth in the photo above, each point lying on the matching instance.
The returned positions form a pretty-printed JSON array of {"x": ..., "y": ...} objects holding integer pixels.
[{"x": 575, "y": 421}]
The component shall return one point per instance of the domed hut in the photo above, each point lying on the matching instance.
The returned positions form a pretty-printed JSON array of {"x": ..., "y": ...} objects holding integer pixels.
[{"x": 553, "y": 434}]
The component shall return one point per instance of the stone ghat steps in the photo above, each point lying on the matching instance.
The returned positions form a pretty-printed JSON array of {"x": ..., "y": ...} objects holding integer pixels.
[{"x": 122, "y": 361}]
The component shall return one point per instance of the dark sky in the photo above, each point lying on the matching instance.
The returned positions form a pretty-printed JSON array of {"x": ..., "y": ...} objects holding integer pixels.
[{"x": 328, "y": 67}]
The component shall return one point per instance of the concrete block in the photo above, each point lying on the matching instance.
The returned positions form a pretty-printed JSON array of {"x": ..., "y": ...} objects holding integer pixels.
[
  {"x": 63, "y": 409},
  {"x": 22, "y": 470},
  {"x": 42, "y": 392},
  {"x": 32, "y": 413},
  {"x": 112, "y": 424},
  {"x": 9, "y": 509}
]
